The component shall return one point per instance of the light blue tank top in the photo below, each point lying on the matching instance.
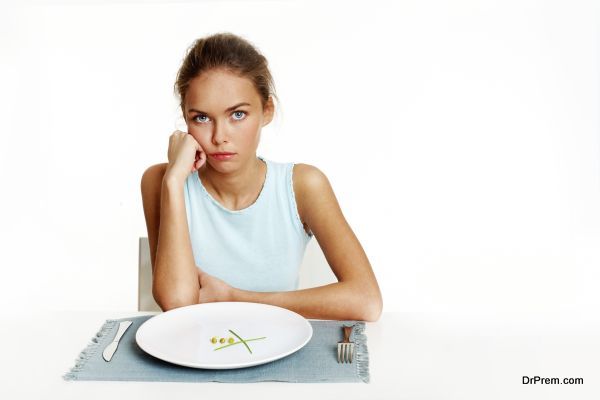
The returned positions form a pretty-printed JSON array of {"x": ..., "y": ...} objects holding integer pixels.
[{"x": 259, "y": 248}]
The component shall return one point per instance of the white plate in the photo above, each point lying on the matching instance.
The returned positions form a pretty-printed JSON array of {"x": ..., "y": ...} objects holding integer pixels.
[{"x": 182, "y": 335}]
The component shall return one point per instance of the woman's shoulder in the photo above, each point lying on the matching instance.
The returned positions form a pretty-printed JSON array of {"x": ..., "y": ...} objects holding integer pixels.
[
  {"x": 154, "y": 172},
  {"x": 152, "y": 179},
  {"x": 310, "y": 184},
  {"x": 308, "y": 177},
  {"x": 157, "y": 168}
]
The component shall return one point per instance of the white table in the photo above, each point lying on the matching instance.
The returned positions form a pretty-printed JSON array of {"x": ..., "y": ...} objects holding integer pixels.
[{"x": 412, "y": 356}]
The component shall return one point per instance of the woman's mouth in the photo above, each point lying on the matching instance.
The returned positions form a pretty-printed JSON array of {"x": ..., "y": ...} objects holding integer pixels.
[{"x": 222, "y": 156}]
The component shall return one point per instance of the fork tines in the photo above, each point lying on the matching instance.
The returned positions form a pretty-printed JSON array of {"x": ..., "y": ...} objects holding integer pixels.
[
  {"x": 345, "y": 348},
  {"x": 345, "y": 352}
]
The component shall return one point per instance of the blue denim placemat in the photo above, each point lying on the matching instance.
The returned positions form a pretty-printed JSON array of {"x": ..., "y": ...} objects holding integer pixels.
[{"x": 315, "y": 362}]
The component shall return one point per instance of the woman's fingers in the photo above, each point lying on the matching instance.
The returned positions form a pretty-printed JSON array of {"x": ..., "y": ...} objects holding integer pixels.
[
  {"x": 201, "y": 159},
  {"x": 181, "y": 153}
]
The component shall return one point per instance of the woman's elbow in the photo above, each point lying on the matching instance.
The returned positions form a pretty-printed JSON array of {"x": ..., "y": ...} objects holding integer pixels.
[
  {"x": 169, "y": 302},
  {"x": 373, "y": 308}
]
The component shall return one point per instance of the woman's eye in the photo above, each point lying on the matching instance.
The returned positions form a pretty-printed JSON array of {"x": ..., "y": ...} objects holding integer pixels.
[
  {"x": 239, "y": 112},
  {"x": 200, "y": 116}
]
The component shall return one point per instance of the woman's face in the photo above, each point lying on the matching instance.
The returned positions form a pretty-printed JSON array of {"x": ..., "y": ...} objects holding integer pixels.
[{"x": 224, "y": 114}]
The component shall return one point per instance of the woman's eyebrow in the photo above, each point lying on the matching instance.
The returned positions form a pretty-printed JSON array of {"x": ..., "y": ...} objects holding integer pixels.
[{"x": 228, "y": 109}]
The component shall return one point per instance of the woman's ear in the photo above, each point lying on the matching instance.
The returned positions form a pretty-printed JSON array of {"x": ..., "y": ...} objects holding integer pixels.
[{"x": 268, "y": 111}]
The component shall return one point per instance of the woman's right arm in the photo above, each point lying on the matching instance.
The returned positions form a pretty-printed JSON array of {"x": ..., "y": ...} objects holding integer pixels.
[{"x": 174, "y": 272}]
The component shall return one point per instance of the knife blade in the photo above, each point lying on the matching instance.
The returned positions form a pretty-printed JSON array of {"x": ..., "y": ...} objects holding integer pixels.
[{"x": 112, "y": 346}]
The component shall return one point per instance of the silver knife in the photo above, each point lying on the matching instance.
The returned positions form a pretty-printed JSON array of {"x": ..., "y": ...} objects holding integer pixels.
[{"x": 112, "y": 347}]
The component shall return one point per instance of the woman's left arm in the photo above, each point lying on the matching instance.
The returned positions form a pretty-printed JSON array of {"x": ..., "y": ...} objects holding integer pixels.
[{"x": 356, "y": 295}]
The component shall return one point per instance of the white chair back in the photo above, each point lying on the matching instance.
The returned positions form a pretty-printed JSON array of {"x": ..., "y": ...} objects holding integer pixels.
[{"x": 146, "y": 301}]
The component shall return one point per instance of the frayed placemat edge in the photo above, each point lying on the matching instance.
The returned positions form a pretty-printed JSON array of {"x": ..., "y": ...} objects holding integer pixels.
[
  {"x": 362, "y": 353},
  {"x": 89, "y": 351}
]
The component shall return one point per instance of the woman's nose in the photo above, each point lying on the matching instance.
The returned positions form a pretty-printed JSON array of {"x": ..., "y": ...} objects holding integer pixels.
[{"x": 219, "y": 133}]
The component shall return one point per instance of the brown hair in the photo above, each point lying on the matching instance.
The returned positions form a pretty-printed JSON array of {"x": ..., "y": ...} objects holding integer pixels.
[{"x": 225, "y": 51}]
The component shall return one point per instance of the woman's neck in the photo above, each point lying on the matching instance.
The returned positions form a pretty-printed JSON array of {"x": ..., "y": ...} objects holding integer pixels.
[{"x": 237, "y": 189}]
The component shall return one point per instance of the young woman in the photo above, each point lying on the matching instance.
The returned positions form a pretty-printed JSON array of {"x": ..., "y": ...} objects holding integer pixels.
[{"x": 226, "y": 225}]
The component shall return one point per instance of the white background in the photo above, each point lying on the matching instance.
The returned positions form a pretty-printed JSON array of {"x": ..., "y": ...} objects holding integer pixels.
[{"x": 460, "y": 137}]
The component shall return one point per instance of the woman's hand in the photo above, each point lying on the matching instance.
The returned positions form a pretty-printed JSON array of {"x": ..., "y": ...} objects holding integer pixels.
[
  {"x": 185, "y": 155},
  {"x": 213, "y": 289}
]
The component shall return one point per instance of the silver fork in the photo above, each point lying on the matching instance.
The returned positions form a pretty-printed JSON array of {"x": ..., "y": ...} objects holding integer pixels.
[{"x": 345, "y": 347}]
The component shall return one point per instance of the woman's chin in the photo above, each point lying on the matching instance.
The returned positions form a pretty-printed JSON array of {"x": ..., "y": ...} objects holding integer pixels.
[{"x": 218, "y": 166}]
